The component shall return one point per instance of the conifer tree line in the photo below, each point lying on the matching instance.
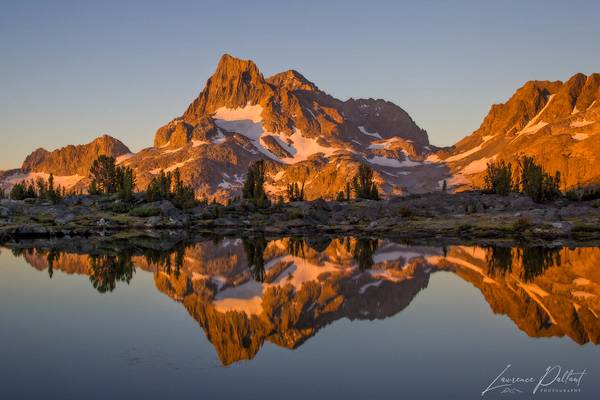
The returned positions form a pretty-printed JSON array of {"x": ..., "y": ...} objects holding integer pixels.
[
  {"x": 108, "y": 178},
  {"x": 362, "y": 185},
  {"x": 528, "y": 178},
  {"x": 169, "y": 186},
  {"x": 295, "y": 192},
  {"x": 39, "y": 189},
  {"x": 105, "y": 177}
]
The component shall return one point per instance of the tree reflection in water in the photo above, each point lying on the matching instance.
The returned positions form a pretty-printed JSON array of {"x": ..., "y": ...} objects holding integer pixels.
[
  {"x": 499, "y": 260},
  {"x": 168, "y": 261},
  {"x": 296, "y": 247},
  {"x": 526, "y": 262},
  {"x": 536, "y": 260},
  {"x": 254, "y": 249},
  {"x": 532, "y": 261},
  {"x": 107, "y": 270},
  {"x": 363, "y": 251},
  {"x": 328, "y": 283}
]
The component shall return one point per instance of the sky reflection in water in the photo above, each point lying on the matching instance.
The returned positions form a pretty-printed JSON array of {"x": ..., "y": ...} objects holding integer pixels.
[{"x": 342, "y": 318}]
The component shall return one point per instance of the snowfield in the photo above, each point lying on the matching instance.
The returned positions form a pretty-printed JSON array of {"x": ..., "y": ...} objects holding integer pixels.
[
  {"x": 374, "y": 134},
  {"x": 66, "y": 181},
  {"x": 248, "y": 121}
]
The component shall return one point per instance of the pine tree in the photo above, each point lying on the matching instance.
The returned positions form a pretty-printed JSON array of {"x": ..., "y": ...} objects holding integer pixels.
[
  {"x": 498, "y": 178},
  {"x": 295, "y": 193},
  {"x": 30, "y": 192},
  {"x": 364, "y": 185},
  {"x": 535, "y": 182},
  {"x": 126, "y": 181},
  {"x": 18, "y": 192},
  {"x": 253, "y": 189},
  {"x": 171, "y": 187},
  {"x": 93, "y": 187},
  {"x": 159, "y": 187},
  {"x": 52, "y": 195},
  {"x": 104, "y": 172},
  {"x": 183, "y": 195},
  {"x": 42, "y": 187}
]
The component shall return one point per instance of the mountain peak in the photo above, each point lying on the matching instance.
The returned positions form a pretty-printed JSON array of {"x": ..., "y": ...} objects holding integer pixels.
[
  {"x": 292, "y": 80},
  {"x": 229, "y": 66},
  {"x": 234, "y": 84},
  {"x": 70, "y": 160}
]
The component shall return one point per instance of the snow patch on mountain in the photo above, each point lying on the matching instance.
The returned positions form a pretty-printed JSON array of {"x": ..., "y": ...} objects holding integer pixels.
[
  {"x": 385, "y": 161},
  {"x": 220, "y": 138},
  {"x": 534, "y": 124},
  {"x": 172, "y": 167},
  {"x": 533, "y": 128},
  {"x": 467, "y": 153},
  {"x": 248, "y": 112},
  {"x": 382, "y": 144},
  {"x": 394, "y": 162},
  {"x": 66, "y": 181},
  {"x": 196, "y": 143},
  {"x": 303, "y": 147},
  {"x": 246, "y": 121},
  {"x": 580, "y": 136},
  {"x": 477, "y": 166},
  {"x": 122, "y": 158},
  {"x": 364, "y": 131},
  {"x": 579, "y": 124}
]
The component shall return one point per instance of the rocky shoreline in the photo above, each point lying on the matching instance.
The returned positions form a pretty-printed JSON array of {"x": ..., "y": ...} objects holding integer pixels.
[{"x": 440, "y": 217}]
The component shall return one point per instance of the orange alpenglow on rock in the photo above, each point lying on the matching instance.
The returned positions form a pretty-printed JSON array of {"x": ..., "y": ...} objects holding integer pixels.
[{"x": 306, "y": 135}]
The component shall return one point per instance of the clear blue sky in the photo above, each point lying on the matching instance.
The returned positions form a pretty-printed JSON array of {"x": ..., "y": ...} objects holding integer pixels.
[{"x": 70, "y": 71}]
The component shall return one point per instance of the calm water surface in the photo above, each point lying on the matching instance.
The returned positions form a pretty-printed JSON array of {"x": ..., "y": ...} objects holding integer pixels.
[{"x": 295, "y": 319}]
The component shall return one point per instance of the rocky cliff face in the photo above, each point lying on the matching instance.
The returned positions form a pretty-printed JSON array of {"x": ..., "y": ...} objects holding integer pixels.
[
  {"x": 306, "y": 135},
  {"x": 241, "y": 116},
  {"x": 73, "y": 160},
  {"x": 556, "y": 122},
  {"x": 70, "y": 165}
]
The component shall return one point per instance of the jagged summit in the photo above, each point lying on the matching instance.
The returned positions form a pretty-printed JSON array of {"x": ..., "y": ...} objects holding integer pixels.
[
  {"x": 555, "y": 121},
  {"x": 239, "y": 116},
  {"x": 307, "y": 135},
  {"x": 234, "y": 84},
  {"x": 291, "y": 80}
]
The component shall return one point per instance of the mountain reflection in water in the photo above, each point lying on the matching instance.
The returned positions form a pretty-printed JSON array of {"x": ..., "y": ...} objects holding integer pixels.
[{"x": 245, "y": 291}]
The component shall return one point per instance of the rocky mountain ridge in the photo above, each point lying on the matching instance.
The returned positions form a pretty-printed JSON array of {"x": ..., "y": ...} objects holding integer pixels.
[
  {"x": 70, "y": 164},
  {"x": 306, "y": 135},
  {"x": 557, "y": 123}
]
